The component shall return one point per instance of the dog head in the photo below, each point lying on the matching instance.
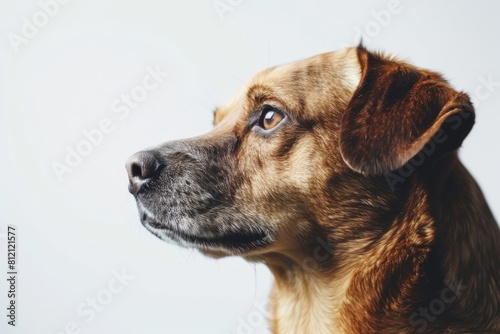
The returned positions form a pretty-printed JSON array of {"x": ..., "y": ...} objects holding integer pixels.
[{"x": 301, "y": 151}]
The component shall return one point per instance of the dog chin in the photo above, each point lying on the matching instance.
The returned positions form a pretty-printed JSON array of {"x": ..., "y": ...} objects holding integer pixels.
[{"x": 230, "y": 243}]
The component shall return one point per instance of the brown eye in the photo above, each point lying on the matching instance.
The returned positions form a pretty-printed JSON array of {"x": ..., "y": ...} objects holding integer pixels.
[{"x": 270, "y": 118}]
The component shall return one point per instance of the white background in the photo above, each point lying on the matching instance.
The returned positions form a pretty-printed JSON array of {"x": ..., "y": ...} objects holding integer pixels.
[{"x": 73, "y": 234}]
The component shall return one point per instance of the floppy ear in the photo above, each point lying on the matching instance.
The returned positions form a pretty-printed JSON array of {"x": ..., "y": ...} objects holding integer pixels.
[{"x": 395, "y": 111}]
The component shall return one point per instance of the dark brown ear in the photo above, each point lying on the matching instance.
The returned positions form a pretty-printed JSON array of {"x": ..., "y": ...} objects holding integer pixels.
[{"x": 395, "y": 111}]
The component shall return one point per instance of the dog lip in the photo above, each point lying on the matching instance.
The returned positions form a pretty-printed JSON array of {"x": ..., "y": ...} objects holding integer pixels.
[
  {"x": 242, "y": 240},
  {"x": 156, "y": 225}
]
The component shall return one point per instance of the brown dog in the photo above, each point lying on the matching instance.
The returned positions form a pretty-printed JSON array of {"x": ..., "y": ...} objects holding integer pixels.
[{"x": 340, "y": 172}]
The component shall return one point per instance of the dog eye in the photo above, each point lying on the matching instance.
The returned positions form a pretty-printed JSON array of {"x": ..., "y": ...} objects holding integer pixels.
[{"x": 270, "y": 118}]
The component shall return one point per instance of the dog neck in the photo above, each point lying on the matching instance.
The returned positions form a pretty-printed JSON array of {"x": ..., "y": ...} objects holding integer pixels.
[
  {"x": 380, "y": 286},
  {"x": 305, "y": 297}
]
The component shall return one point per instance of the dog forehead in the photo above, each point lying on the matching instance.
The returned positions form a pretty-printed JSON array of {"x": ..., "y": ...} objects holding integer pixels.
[
  {"x": 342, "y": 64},
  {"x": 339, "y": 70}
]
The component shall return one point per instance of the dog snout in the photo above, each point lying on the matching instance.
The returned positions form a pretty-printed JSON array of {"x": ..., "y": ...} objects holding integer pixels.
[{"x": 141, "y": 168}]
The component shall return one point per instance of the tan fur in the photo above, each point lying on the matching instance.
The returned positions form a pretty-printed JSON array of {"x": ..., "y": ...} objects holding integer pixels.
[
  {"x": 326, "y": 300},
  {"x": 367, "y": 218}
]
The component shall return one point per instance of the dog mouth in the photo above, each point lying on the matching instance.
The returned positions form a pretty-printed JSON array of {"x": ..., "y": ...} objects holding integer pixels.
[{"x": 231, "y": 241}]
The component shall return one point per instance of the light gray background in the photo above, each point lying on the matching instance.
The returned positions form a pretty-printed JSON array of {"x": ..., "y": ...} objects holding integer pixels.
[{"x": 73, "y": 234}]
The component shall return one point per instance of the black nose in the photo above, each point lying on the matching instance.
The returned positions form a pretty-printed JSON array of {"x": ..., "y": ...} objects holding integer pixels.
[{"x": 141, "y": 167}]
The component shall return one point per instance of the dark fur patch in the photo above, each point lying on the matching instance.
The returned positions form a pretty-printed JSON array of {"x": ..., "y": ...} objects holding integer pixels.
[{"x": 388, "y": 120}]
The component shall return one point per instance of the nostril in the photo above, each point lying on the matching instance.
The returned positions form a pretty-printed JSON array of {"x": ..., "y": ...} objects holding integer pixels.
[
  {"x": 136, "y": 170},
  {"x": 141, "y": 167}
]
